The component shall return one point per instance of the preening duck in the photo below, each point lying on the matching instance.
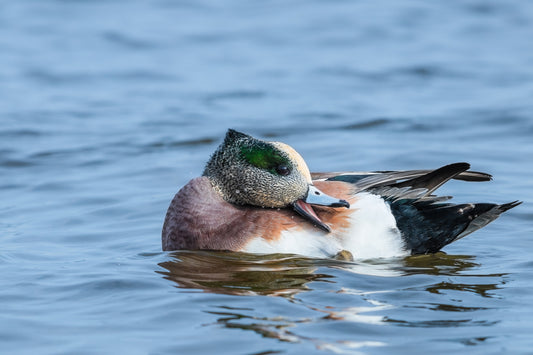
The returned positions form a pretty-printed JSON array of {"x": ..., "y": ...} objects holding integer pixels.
[{"x": 259, "y": 196}]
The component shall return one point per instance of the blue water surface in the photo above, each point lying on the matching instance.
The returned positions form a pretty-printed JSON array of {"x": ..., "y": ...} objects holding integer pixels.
[{"x": 108, "y": 107}]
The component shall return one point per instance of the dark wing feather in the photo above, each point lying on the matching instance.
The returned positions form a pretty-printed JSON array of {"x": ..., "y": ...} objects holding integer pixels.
[
  {"x": 365, "y": 180},
  {"x": 435, "y": 179}
]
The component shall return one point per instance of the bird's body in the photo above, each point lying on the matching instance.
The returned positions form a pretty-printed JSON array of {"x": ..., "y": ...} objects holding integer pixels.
[{"x": 256, "y": 196}]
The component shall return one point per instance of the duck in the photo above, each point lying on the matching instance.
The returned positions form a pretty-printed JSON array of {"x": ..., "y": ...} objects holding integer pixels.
[{"x": 258, "y": 196}]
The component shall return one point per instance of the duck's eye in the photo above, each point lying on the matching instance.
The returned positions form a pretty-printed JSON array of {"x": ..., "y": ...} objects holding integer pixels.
[{"x": 283, "y": 170}]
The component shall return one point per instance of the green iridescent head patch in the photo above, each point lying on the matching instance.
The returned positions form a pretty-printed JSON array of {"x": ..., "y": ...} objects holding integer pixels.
[{"x": 264, "y": 156}]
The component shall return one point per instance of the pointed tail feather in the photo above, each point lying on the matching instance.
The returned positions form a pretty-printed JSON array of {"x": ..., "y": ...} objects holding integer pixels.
[
  {"x": 428, "y": 227},
  {"x": 485, "y": 218}
]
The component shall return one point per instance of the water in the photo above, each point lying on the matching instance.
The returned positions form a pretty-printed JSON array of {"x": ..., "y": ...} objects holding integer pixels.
[{"x": 108, "y": 107}]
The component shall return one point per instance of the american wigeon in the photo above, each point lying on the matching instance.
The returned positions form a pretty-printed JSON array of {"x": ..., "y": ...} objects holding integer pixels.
[{"x": 259, "y": 196}]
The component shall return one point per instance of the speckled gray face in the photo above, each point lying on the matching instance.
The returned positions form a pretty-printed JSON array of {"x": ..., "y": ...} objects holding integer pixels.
[{"x": 250, "y": 171}]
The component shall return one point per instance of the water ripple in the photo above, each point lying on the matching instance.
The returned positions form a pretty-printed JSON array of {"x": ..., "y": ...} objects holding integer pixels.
[{"x": 128, "y": 41}]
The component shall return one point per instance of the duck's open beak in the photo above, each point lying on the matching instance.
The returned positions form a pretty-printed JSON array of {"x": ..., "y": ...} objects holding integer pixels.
[{"x": 317, "y": 197}]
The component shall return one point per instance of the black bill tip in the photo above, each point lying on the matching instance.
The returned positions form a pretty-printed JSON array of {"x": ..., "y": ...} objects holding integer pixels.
[{"x": 340, "y": 203}]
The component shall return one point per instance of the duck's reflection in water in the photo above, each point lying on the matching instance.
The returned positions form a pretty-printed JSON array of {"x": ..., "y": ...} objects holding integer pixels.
[
  {"x": 280, "y": 274},
  {"x": 241, "y": 273},
  {"x": 415, "y": 280}
]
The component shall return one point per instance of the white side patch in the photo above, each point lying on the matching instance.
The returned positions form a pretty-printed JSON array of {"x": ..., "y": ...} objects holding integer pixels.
[
  {"x": 373, "y": 232},
  {"x": 316, "y": 244}
]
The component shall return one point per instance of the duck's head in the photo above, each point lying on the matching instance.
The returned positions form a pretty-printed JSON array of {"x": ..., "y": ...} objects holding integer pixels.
[{"x": 248, "y": 171}]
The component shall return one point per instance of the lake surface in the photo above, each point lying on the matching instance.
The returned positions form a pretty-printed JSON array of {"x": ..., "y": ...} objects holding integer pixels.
[{"x": 107, "y": 108}]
